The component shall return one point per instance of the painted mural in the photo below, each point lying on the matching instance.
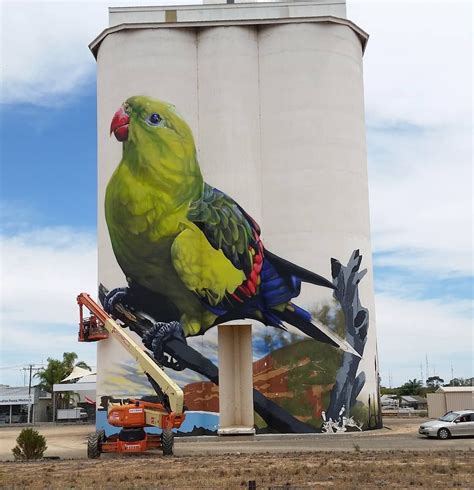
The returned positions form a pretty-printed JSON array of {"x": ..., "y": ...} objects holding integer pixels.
[{"x": 194, "y": 258}]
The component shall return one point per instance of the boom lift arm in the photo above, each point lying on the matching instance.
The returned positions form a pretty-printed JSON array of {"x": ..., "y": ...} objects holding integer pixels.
[{"x": 92, "y": 329}]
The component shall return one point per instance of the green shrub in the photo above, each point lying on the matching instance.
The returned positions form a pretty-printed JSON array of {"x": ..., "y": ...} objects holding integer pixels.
[{"x": 30, "y": 444}]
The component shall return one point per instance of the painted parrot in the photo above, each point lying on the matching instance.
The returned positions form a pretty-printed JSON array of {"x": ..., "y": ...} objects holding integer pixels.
[{"x": 186, "y": 241}]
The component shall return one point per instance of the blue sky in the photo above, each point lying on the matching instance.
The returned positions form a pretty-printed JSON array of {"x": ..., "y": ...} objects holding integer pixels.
[
  {"x": 418, "y": 109},
  {"x": 59, "y": 154}
]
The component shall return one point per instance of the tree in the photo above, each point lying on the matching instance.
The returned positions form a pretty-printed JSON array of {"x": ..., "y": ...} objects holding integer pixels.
[
  {"x": 55, "y": 372},
  {"x": 411, "y": 387},
  {"x": 461, "y": 382},
  {"x": 388, "y": 391},
  {"x": 30, "y": 444},
  {"x": 69, "y": 361},
  {"x": 434, "y": 381}
]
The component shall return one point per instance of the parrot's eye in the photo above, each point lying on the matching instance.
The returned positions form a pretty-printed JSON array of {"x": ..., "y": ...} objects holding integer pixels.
[{"x": 154, "y": 119}]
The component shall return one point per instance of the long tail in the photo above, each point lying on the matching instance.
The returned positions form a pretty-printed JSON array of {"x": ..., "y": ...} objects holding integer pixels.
[
  {"x": 287, "y": 269},
  {"x": 302, "y": 320},
  {"x": 280, "y": 283}
]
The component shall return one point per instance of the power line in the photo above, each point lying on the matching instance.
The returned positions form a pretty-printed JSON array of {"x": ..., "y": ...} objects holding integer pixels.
[{"x": 12, "y": 367}]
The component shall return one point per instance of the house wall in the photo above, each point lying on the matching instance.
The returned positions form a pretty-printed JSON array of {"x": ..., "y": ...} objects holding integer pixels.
[
  {"x": 460, "y": 401},
  {"x": 43, "y": 410},
  {"x": 441, "y": 402}
]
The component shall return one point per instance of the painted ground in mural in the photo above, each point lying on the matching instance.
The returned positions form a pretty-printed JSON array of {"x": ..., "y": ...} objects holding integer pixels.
[{"x": 293, "y": 376}]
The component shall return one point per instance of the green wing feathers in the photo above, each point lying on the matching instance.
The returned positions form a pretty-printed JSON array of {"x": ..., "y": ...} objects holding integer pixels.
[{"x": 226, "y": 228}]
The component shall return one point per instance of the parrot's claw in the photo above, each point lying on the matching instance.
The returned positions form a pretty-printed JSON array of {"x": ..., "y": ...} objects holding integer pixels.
[
  {"x": 117, "y": 295},
  {"x": 155, "y": 338}
]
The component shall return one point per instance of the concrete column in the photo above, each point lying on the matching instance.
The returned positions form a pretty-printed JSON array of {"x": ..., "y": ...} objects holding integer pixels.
[
  {"x": 160, "y": 63},
  {"x": 235, "y": 380},
  {"x": 313, "y": 149},
  {"x": 229, "y": 120}
]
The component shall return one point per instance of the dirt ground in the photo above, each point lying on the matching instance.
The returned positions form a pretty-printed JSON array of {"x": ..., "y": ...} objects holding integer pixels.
[
  {"x": 70, "y": 441},
  {"x": 294, "y": 470},
  {"x": 393, "y": 457}
]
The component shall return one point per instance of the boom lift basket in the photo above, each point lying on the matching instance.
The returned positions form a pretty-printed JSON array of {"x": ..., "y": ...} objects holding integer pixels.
[{"x": 91, "y": 329}]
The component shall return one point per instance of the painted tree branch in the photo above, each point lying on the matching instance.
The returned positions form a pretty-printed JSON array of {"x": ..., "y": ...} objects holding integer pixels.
[
  {"x": 185, "y": 356},
  {"x": 348, "y": 385}
]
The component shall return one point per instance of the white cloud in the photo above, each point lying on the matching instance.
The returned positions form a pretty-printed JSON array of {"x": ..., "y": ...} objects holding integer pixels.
[
  {"x": 42, "y": 271},
  {"x": 418, "y": 91},
  {"x": 23, "y": 344},
  {"x": 408, "y": 329},
  {"x": 421, "y": 200},
  {"x": 44, "y": 47},
  {"x": 418, "y": 95},
  {"x": 418, "y": 63}
]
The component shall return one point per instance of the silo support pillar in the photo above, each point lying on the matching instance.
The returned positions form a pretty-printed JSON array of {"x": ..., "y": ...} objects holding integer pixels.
[{"x": 235, "y": 380}]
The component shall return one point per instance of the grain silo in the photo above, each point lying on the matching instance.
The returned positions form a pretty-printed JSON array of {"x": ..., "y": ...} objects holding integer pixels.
[{"x": 273, "y": 95}]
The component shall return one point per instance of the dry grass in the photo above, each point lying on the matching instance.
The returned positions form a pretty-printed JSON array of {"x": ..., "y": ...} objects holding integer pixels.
[{"x": 356, "y": 470}]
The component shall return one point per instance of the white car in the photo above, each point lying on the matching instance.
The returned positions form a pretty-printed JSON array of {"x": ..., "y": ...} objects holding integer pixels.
[{"x": 452, "y": 424}]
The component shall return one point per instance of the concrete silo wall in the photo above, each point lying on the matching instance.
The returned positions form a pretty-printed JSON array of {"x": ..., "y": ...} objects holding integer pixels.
[{"x": 277, "y": 114}]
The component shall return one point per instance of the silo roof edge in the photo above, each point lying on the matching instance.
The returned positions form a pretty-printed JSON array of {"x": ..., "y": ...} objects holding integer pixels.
[{"x": 361, "y": 34}]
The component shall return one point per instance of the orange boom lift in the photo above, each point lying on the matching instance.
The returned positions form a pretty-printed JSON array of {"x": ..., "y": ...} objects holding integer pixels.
[{"x": 132, "y": 415}]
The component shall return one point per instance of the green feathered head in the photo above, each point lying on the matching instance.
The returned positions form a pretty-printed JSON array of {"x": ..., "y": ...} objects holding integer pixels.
[{"x": 156, "y": 139}]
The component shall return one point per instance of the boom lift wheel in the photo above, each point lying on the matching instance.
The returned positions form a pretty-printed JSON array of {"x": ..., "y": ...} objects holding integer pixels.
[
  {"x": 167, "y": 442},
  {"x": 101, "y": 435},
  {"x": 94, "y": 442}
]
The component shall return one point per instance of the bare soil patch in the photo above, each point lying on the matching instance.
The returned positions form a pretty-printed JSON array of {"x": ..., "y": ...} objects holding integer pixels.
[{"x": 359, "y": 469}]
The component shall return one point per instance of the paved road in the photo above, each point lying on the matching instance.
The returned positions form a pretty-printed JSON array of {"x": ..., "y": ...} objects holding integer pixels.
[
  {"x": 323, "y": 442},
  {"x": 69, "y": 441}
]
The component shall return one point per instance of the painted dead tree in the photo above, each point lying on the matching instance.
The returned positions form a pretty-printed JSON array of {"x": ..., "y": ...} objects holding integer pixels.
[{"x": 348, "y": 383}]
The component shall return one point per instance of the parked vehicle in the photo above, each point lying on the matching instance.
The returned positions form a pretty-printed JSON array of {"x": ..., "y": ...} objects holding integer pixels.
[
  {"x": 452, "y": 424},
  {"x": 77, "y": 413},
  {"x": 5, "y": 418}
]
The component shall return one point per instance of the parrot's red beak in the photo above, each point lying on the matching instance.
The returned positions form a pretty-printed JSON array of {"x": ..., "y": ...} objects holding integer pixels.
[{"x": 119, "y": 125}]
